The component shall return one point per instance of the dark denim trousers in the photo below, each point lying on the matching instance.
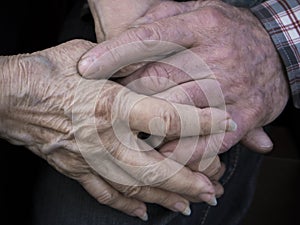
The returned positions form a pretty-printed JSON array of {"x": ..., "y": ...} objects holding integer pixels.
[{"x": 61, "y": 201}]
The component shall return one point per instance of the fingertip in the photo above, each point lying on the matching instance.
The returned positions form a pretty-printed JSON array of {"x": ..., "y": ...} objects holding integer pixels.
[
  {"x": 263, "y": 141},
  {"x": 84, "y": 66},
  {"x": 204, "y": 184},
  {"x": 258, "y": 140},
  {"x": 141, "y": 213},
  {"x": 213, "y": 201},
  {"x": 187, "y": 211},
  {"x": 219, "y": 121},
  {"x": 88, "y": 68},
  {"x": 210, "y": 199},
  {"x": 266, "y": 145},
  {"x": 227, "y": 125},
  {"x": 183, "y": 208},
  {"x": 219, "y": 189},
  {"x": 144, "y": 217}
]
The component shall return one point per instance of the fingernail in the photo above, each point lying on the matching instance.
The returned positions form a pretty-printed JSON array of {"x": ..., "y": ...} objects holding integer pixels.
[
  {"x": 228, "y": 125},
  {"x": 183, "y": 208},
  {"x": 144, "y": 217},
  {"x": 85, "y": 65},
  {"x": 141, "y": 214},
  {"x": 213, "y": 201},
  {"x": 232, "y": 126},
  {"x": 209, "y": 199},
  {"x": 187, "y": 211}
]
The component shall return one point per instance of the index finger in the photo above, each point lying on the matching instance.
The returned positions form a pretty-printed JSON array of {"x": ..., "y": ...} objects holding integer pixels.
[{"x": 165, "y": 119}]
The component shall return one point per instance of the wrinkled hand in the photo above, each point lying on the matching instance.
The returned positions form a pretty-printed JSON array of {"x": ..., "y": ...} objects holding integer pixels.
[
  {"x": 242, "y": 61},
  {"x": 87, "y": 130},
  {"x": 112, "y": 17},
  {"x": 108, "y": 25},
  {"x": 131, "y": 12}
]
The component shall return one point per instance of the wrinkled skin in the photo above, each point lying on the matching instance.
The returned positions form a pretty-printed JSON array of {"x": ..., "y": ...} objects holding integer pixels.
[
  {"x": 107, "y": 24},
  {"x": 234, "y": 45},
  {"x": 47, "y": 107}
]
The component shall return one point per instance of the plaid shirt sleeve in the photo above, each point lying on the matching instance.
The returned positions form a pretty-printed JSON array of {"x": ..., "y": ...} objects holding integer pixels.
[{"x": 281, "y": 18}]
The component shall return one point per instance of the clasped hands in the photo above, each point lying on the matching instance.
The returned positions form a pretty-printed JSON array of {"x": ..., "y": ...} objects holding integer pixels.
[{"x": 88, "y": 129}]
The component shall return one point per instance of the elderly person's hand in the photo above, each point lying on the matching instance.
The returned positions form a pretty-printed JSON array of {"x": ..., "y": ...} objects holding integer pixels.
[
  {"x": 112, "y": 17},
  {"x": 83, "y": 129},
  {"x": 234, "y": 45}
]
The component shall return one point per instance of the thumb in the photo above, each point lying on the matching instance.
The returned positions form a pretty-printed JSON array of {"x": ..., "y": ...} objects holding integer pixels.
[{"x": 258, "y": 140}]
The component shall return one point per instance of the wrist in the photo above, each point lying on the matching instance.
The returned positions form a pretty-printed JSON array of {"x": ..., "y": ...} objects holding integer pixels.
[
  {"x": 12, "y": 77},
  {"x": 8, "y": 69},
  {"x": 280, "y": 20}
]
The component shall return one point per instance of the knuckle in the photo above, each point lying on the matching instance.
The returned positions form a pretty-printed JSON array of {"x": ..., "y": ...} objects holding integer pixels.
[
  {"x": 107, "y": 197},
  {"x": 148, "y": 37},
  {"x": 145, "y": 38},
  {"x": 159, "y": 77},
  {"x": 80, "y": 43},
  {"x": 206, "y": 121},
  {"x": 132, "y": 191},
  {"x": 148, "y": 32},
  {"x": 203, "y": 183},
  {"x": 68, "y": 163},
  {"x": 214, "y": 16},
  {"x": 154, "y": 176},
  {"x": 171, "y": 122},
  {"x": 118, "y": 152}
]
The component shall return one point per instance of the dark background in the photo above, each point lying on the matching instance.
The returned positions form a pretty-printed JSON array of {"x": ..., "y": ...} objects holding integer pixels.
[
  {"x": 25, "y": 26},
  {"x": 32, "y": 25}
]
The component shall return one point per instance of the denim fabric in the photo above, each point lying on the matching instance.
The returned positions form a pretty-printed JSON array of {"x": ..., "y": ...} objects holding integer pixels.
[{"x": 61, "y": 201}]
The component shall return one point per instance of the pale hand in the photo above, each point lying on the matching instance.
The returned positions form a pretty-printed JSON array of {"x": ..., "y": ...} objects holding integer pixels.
[{"x": 72, "y": 123}]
